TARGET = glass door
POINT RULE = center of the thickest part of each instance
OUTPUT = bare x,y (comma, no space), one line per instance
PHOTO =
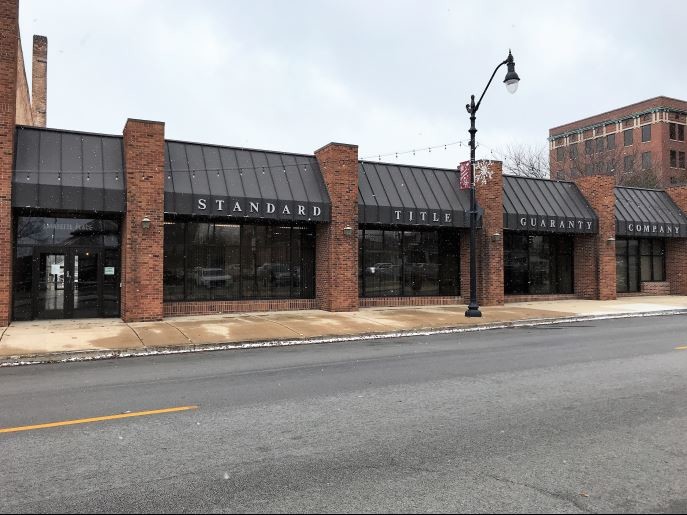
86,283
51,277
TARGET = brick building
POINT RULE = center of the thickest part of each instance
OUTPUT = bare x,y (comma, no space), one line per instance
137,226
642,145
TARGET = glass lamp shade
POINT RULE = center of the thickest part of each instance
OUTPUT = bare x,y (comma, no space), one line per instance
512,85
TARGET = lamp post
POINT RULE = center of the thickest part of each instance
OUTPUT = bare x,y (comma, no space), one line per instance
511,82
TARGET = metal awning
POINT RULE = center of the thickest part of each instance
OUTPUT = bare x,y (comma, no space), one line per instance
68,171
648,213
241,183
391,194
541,205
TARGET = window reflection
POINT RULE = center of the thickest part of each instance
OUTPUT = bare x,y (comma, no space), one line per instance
638,261
205,261
408,263
537,264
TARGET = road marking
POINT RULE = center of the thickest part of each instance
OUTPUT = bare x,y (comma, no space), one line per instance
96,419
681,348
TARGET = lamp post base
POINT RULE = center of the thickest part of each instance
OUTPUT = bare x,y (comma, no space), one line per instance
473,311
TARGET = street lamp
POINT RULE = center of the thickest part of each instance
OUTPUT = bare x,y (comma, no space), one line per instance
511,82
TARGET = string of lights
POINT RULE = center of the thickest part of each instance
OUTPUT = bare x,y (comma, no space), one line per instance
240,169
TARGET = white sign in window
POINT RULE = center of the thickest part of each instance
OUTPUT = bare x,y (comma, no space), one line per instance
109,270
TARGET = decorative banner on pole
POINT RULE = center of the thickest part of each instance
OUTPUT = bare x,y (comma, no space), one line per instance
465,182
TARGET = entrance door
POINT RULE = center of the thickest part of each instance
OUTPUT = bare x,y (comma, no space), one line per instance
50,277
69,284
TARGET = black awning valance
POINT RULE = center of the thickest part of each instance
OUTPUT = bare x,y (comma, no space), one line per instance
391,194
216,181
68,171
540,205
648,213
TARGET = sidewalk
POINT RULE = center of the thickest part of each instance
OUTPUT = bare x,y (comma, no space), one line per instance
50,340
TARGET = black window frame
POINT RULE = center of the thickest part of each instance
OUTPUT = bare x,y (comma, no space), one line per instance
628,137
646,133
610,141
633,274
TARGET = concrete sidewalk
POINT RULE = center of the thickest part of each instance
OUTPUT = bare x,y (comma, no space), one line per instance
41,339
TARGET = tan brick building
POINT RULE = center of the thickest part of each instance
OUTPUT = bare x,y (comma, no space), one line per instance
641,144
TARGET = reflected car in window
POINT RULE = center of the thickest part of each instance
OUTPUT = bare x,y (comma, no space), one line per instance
212,277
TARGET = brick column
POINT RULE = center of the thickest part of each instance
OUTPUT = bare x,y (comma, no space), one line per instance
9,37
676,249
142,249
490,239
594,255
337,254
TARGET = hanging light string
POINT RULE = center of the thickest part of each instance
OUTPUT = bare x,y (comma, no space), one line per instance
284,166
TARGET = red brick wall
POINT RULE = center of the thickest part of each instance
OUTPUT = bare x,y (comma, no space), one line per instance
236,306
142,249
380,302
9,34
490,246
337,254
594,255
39,80
676,249
656,288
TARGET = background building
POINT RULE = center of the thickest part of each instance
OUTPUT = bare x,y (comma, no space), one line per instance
641,145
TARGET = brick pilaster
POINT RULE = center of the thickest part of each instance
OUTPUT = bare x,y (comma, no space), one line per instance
9,37
594,255
337,254
676,249
490,239
142,249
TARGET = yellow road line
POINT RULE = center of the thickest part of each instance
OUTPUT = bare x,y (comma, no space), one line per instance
681,348
96,419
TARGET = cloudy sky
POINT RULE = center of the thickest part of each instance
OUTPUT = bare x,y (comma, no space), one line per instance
390,76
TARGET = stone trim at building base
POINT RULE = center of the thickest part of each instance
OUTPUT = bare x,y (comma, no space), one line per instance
539,298
387,302
175,309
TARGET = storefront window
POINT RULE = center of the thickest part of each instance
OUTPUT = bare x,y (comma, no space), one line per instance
408,263
537,264
214,261
638,261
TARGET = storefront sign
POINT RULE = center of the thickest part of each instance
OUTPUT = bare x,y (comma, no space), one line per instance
542,223
416,217
653,229
247,208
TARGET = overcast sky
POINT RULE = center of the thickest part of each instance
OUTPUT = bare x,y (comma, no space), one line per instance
386,75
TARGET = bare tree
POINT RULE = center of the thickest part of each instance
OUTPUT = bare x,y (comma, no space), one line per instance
524,160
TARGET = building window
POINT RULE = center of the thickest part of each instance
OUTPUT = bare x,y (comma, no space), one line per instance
588,147
646,133
537,264
637,261
627,137
560,153
629,163
677,159
610,141
677,132
646,160
599,144
573,151
394,263
218,261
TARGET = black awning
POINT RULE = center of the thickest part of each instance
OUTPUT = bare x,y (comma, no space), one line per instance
541,205
241,183
68,171
391,194
648,213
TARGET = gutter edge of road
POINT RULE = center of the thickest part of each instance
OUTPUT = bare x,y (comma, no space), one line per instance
98,355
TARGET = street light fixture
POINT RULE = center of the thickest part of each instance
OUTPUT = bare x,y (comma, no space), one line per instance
511,81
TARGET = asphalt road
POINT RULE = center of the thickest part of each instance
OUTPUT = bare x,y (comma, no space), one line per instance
585,417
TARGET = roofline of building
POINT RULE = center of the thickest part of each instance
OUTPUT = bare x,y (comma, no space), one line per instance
608,114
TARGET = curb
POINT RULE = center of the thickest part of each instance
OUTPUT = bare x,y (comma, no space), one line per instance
84,356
